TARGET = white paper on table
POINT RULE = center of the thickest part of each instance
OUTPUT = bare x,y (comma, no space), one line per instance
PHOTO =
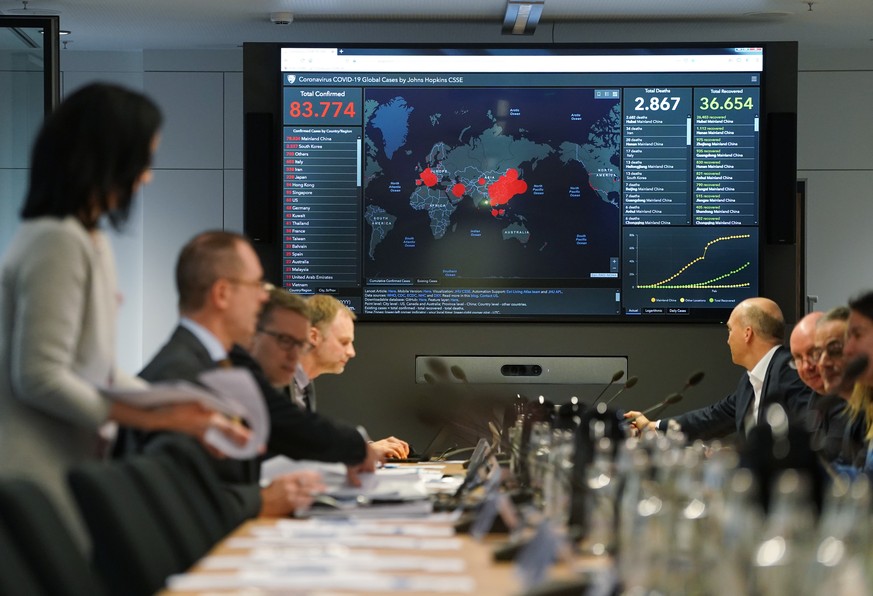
364,542
331,473
381,487
332,564
383,511
232,391
328,528
384,485
355,581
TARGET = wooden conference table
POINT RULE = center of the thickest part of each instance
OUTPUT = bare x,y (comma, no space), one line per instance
478,574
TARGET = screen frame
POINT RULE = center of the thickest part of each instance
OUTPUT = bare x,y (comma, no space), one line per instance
778,89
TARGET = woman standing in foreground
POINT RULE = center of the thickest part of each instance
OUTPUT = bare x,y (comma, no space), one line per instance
58,295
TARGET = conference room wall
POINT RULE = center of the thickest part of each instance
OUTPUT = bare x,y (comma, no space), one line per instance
197,186
835,157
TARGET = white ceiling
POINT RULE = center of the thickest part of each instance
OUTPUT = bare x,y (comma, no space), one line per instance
217,24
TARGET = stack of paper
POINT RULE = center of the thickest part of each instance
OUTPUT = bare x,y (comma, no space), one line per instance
331,555
231,391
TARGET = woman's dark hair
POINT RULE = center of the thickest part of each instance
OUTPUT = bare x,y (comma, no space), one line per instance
96,144
863,303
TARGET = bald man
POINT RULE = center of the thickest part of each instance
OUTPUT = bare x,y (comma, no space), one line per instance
803,353
756,329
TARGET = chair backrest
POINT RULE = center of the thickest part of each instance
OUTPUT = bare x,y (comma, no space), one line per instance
152,477
44,541
192,491
183,451
130,551
16,574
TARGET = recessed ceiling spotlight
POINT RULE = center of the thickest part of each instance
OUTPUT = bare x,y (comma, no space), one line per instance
281,18
31,12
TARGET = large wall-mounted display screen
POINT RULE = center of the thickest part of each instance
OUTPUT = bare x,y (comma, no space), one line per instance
530,183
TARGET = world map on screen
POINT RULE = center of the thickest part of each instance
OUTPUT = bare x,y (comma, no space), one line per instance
491,183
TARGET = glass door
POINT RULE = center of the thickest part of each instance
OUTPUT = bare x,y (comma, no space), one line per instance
29,89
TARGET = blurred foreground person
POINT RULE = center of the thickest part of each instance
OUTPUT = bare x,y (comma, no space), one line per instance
59,295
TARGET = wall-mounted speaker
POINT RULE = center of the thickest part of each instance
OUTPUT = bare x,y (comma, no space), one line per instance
259,196
780,183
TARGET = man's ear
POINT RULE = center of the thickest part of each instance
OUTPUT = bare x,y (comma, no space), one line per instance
219,294
747,334
314,335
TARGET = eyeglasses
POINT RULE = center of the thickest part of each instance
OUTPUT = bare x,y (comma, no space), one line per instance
288,342
254,283
833,349
809,359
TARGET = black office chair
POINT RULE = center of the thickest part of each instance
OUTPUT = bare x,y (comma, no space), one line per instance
44,541
130,551
153,478
16,575
204,512
217,510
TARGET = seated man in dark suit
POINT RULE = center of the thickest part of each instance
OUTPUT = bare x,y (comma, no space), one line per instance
756,329
830,339
330,336
221,292
281,338
817,347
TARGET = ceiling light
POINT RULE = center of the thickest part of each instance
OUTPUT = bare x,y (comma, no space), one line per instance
281,18
31,12
522,16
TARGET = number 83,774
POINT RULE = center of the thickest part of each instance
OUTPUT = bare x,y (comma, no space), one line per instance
321,109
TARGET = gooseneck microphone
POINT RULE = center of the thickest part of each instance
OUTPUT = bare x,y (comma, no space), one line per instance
615,377
658,407
458,373
671,399
692,381
627,385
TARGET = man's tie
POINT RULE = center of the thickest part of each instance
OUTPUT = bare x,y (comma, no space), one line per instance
309,396
295,395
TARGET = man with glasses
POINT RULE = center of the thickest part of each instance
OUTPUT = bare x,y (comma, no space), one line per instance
803,360
830,336
833,439
284,341
282,338
822,417
221,293
279,342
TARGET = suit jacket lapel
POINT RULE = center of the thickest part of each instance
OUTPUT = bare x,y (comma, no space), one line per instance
745,395
185,339
766,398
